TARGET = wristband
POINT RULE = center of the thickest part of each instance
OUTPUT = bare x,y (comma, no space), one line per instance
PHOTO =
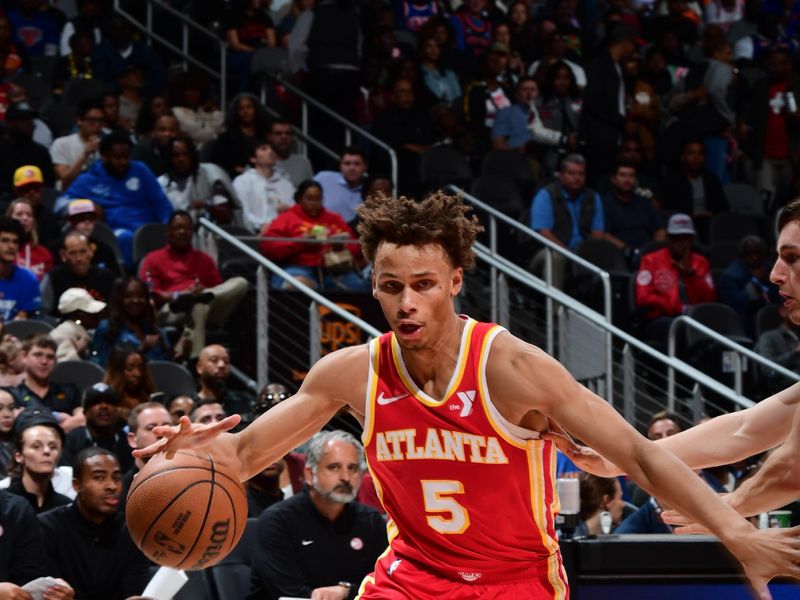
346,584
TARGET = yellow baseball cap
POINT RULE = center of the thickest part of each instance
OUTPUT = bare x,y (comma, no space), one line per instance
27,175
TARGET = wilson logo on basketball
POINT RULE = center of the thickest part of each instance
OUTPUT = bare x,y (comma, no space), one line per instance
219,533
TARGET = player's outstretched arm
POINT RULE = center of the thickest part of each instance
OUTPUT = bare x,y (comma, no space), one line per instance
335,381
523,378
723,440
735,436
775,484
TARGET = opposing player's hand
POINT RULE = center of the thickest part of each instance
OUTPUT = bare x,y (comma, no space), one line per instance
186,435
584,457
769,553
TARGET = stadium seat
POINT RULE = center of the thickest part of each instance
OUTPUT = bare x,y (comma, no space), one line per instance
499,192
719,317
722,253
731,226
231,576
511,164
147,238
440,165
80,373
38,90
171,378
78,90
768,317
270,61
26,327
59,117
743,198
105,234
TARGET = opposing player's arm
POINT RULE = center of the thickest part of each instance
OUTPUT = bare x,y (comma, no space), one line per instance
776,483
732,437
337,380
523,378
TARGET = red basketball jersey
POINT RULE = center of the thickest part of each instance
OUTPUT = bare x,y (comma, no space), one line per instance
470,496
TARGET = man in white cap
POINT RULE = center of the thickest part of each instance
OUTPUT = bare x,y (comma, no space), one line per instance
672,279
81,313
77,271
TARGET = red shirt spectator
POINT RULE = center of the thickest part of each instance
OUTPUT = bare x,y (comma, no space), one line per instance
671,279
166,270
298,223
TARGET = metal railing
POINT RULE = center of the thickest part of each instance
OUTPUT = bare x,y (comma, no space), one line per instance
628,342
739,351
188,25
262,304
350,128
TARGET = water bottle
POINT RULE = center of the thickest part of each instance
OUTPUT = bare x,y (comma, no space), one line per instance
791,102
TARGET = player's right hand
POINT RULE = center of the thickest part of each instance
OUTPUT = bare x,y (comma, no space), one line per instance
769,553
584,457
186,435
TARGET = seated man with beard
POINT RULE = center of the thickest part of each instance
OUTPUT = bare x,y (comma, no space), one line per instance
320,542
213,372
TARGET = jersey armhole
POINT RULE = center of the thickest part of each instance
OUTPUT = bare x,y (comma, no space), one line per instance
513,434
372,385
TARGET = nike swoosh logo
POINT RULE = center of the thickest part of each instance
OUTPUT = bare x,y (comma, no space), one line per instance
384,401
306,542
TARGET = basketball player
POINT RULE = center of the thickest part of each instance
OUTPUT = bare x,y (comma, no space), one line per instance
730,438
453,412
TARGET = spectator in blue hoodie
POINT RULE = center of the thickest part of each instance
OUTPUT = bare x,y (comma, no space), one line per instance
126,189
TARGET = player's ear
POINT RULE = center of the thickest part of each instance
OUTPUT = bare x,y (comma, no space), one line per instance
456,281
373,284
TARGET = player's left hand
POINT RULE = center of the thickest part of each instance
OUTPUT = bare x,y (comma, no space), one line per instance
186,435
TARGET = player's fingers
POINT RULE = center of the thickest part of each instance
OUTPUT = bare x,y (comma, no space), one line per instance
673,517
150,450
692,529
225,424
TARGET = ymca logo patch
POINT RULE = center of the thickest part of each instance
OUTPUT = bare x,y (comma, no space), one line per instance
467,398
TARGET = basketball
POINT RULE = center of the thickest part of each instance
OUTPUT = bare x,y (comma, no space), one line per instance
186,512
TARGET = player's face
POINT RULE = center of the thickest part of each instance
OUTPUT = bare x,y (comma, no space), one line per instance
786,272
146,421
99,487
41,449
416,286
338,474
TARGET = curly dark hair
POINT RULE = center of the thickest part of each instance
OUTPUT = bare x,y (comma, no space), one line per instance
438,219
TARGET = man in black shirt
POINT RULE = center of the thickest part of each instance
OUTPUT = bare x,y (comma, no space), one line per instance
87,542
213,371
103,427
21,550
36,391
319,543
78,271
17,147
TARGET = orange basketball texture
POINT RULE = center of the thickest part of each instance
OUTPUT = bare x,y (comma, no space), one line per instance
186,512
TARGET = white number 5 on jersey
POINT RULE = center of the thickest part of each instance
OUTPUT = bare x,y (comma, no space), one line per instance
436,495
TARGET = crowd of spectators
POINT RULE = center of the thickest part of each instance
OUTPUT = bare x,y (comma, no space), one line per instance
632,118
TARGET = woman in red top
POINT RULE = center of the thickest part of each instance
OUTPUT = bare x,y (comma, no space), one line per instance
32,255
308,220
